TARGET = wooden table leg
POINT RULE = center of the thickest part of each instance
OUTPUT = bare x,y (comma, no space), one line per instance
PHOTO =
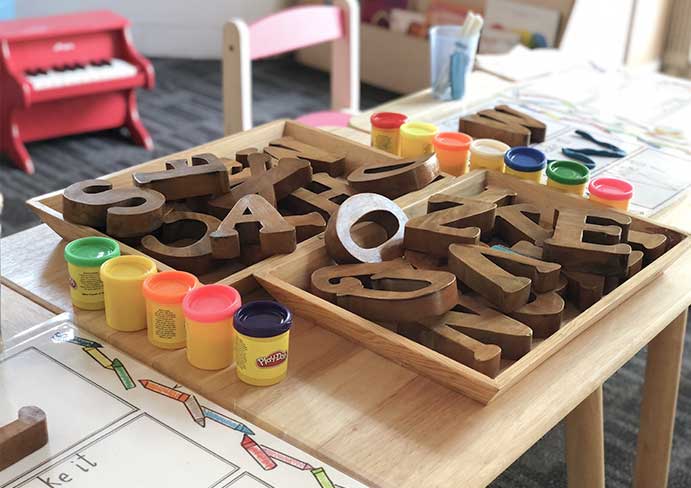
659,405
585,448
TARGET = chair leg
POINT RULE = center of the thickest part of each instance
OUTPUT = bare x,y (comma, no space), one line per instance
585,450
134,124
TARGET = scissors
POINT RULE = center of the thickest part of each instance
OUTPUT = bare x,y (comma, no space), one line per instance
581,154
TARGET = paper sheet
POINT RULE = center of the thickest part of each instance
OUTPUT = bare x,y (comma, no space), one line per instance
114,423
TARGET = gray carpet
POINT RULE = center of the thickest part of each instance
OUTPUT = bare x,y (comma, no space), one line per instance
185,110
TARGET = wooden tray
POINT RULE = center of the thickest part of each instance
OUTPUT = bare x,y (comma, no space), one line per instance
289,280
48,207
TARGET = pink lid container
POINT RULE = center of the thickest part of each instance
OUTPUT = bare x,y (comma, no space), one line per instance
611,189
211,303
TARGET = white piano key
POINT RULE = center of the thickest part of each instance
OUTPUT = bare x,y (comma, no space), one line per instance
117,69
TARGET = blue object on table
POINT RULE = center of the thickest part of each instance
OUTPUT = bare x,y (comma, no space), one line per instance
451,60
6,9
581,154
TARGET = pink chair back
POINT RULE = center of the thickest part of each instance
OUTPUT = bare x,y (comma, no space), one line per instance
295,28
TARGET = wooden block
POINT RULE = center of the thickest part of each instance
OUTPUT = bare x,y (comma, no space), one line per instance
473,318
528,249
22,437
438,336
288,176
461,223
589,241
396,178
480,127
183,242
421,260
479,212
520,222
390,291
652,245
504,113
340,242
584,289
253,221
498,196
504,279
324,195
207,175
242,156
543,313
321,161
307,225
122,212
635,264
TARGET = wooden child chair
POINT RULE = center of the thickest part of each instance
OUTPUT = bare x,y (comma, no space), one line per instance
286,31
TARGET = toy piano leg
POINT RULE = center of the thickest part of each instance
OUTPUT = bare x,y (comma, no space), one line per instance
17,151
134,124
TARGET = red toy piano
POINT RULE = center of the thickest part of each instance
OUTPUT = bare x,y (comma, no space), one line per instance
65,75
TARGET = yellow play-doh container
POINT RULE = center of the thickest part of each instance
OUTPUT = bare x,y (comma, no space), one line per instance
416,139
262,336
568,176
84,259
209,313
165,319
611,192
122,287
487,154
386,129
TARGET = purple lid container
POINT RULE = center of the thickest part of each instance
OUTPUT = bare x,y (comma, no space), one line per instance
262,318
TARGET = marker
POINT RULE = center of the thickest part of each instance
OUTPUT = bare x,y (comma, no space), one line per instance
195,410
123,375
322,478
80,341
227,421
284,458
164,390
257,453
99,357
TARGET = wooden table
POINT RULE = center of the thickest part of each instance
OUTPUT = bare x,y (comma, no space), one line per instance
389,427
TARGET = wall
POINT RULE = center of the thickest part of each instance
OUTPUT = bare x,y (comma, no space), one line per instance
167,28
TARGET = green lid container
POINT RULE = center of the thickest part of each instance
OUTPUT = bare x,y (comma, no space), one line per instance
91,252
568,172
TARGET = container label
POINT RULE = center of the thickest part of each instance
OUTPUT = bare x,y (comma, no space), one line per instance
273,359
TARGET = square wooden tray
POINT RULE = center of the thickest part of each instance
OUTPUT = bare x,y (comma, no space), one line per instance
48,207
289,281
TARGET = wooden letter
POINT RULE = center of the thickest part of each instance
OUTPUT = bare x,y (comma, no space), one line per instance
492,274
481,213
496,195
242,156
321,161
288,176
652,245
324,194
22,437
206,176
584,289
589,241
504,124
390,291
307,225
525,248
123,212
542,313
184,241
521,222
339,239
394,179
252,221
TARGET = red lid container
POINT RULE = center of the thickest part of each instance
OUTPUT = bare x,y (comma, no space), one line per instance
387,120
611,189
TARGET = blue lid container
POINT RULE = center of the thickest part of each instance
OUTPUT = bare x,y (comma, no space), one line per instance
525,159
262,318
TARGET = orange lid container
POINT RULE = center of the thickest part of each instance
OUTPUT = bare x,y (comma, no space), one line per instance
169,286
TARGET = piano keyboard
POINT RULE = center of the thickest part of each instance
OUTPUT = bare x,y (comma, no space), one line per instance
79,74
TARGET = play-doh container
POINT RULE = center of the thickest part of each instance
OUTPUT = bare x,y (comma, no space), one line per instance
122,288
611,192
386,128
416,139
165,319
488,154
452,149
209,313
568,176
262,330
84,259
526,163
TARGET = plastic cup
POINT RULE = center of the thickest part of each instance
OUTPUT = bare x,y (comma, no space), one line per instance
386,128
84,259
526,163
452,152
416,139
568,176
122,286
209,313
262,330
165,319
611,192
488,154
451,60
